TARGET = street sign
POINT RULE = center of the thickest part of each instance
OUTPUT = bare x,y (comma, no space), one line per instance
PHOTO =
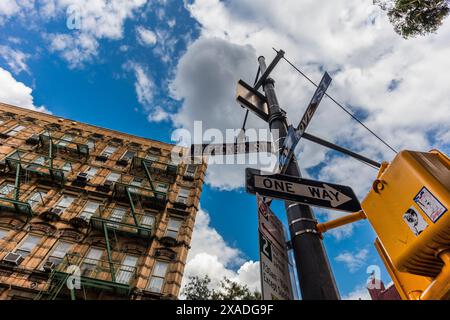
287,150
293,136
274,261
308,192
218,149
252,99
312,107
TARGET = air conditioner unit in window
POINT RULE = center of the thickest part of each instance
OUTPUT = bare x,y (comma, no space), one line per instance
101,157
56,211
33,140
122,162
106,186
189,175
53,214
49,266
13,258
82,177
182,200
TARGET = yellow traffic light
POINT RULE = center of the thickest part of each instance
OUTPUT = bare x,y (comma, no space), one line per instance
408,206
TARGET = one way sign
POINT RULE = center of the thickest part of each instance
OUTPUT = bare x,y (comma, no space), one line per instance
309,192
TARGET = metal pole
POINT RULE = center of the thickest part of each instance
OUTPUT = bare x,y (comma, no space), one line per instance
313,269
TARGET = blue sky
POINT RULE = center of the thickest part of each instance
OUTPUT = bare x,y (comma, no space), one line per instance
147,68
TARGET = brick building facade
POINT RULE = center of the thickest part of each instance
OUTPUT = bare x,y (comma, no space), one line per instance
106,212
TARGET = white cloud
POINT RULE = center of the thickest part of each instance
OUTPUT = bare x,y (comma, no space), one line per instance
75,49
145,36
351,39
158,115
16,93
92,20
15,59
166,45
211,255
144,85
353,260
358,293
9,8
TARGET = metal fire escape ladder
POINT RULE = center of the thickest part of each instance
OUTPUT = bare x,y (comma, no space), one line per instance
108,250
147,173
133,208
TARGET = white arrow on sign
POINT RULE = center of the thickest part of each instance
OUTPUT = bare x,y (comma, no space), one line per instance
326,193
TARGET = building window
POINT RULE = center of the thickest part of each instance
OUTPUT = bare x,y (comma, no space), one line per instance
6,189
91,261
156,282
36,198
65,140
117,216
148,220
173,227
108,151
127,269
37,163
3,233
113,176
89,209
190,170
161,187
59,252
151,157
16,155
91,144
183,195
27,245
91,171
67,167
128,155
64,202
137,181
14,131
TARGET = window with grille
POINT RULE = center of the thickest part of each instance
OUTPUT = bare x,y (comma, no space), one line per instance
156,282
127,269
117,215
148,220
27,245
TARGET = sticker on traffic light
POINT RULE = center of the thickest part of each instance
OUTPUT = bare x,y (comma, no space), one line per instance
415,221
265,246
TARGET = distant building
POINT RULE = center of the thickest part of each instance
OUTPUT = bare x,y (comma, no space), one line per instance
382,293
90,213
